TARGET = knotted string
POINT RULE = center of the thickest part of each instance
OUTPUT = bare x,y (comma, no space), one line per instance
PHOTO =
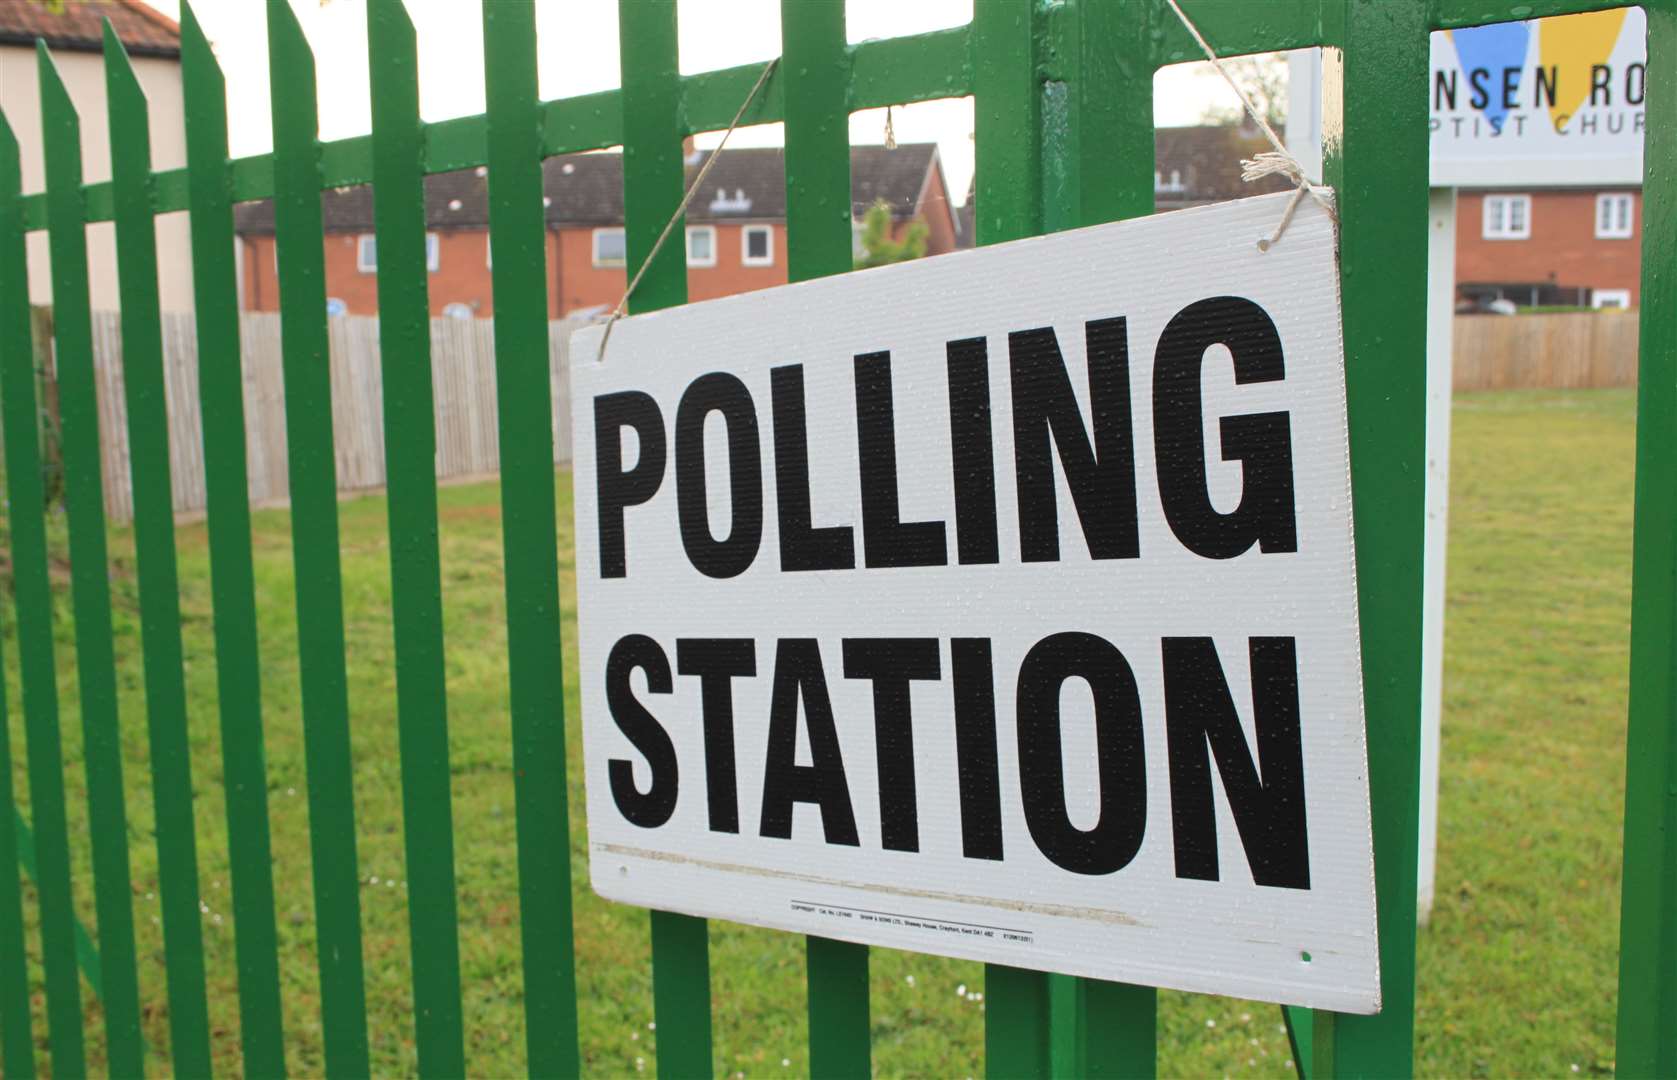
1277,162
692,189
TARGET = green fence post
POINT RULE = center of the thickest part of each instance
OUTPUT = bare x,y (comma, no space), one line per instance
1647,1027
1007,121
33,593
90,583
1377,163
523,391
1008,202
818,239
299,234
1098,167
1018,1016
17,1049
652,189
232,575
154,542
1057,154
87,957
410,448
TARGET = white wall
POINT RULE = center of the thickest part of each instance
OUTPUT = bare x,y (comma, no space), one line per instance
84,77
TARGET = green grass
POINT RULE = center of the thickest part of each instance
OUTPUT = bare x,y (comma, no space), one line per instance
1517,969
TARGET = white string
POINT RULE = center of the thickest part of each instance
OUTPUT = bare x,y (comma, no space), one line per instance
1277,162
693,189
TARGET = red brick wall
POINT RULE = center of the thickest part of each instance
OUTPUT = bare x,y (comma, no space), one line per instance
582,284
257,287
936,212
730,275
1562,249
462,274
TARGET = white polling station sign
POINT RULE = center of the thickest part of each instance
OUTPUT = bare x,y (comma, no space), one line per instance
1000,605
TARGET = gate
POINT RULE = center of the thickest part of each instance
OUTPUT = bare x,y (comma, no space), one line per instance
1063,103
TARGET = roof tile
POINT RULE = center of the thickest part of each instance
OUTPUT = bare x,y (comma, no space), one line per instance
77,26
1205,163
747,184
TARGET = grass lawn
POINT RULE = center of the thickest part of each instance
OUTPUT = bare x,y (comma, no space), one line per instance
1517,969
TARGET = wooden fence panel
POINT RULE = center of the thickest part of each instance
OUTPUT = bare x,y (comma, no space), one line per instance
463,375
113,415
1563,350
1572,350
265,442
186,434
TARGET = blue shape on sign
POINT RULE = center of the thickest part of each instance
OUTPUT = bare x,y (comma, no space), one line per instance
1486,52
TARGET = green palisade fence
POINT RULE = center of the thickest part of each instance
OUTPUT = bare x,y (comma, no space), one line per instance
1063,106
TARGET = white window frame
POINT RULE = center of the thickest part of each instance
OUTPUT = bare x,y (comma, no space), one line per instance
1496,218
746,258
488,250
366,241
701,230
609,264
1612,230
1599,299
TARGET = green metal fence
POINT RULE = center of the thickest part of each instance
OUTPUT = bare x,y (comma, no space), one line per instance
1063,104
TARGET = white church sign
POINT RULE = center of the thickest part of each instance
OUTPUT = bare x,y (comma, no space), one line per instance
1542,102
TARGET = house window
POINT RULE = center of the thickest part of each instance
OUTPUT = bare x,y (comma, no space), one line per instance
757,245
1616,299
488,251
1507,217
366,253
458,310
701,245
1614,213
609,249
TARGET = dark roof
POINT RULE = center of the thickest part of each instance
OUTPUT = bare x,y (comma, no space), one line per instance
1194,165
587,189
77,25
1202,164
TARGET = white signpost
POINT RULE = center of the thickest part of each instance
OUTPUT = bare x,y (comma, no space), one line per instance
1553,102
1000,605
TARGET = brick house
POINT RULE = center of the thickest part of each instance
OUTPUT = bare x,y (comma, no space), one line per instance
736,229
1201,164
1573,246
